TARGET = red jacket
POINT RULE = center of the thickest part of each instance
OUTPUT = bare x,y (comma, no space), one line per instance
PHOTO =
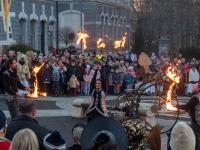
4,144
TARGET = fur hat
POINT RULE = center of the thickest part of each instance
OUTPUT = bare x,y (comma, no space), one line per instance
54,141
182,137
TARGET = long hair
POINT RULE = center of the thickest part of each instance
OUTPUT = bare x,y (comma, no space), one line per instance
25,140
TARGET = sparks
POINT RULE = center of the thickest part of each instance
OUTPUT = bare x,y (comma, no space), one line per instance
100,43
81,37
36,92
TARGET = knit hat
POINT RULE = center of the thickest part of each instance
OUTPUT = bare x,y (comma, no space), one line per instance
2,120
182,137
54,141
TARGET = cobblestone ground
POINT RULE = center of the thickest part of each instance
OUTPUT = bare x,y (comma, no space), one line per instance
55,114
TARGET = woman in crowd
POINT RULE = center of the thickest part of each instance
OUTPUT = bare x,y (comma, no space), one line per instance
25,140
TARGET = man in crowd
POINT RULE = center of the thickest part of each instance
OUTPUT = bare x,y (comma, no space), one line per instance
26,119
11,84
193,108
4,143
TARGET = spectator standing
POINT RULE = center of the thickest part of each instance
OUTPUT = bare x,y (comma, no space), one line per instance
26,119
128,80
193,77
80,73
47,78
4,143
73,84
56,80
25,140
87,80
116,77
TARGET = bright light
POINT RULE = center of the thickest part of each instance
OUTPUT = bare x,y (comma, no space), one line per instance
82,37
120,43
36,89
100,43
174,76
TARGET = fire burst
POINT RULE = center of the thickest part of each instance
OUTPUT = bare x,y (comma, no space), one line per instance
81,37
171,74
120,43
36,90
100,43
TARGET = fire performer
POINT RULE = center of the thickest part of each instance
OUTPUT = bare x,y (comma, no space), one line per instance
193,108
11,84
98,107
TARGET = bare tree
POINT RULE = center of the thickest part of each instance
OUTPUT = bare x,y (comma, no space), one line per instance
67,35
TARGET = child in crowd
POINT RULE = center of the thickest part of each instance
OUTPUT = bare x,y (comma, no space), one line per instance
116,77
87,80
128,80
73,84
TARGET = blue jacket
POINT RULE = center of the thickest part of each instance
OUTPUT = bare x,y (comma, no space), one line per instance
116,78
128,78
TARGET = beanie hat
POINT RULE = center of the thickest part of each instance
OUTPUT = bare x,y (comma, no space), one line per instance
54,141
2,120
182,137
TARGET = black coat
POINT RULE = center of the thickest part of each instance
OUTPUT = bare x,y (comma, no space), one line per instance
22,122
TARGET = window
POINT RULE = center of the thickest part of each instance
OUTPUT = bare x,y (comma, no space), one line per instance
33,34
22,27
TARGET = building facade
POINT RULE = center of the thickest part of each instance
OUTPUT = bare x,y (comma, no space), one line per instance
38,23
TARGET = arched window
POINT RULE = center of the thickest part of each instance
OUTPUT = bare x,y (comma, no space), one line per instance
106,24
43,33
113,27
102,24
116,28
51,34
33,33
22,27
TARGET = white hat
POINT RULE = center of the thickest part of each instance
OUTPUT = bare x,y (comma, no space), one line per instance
182,137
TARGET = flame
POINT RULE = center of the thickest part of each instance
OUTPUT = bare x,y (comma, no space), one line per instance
36,90
100,43
120,43
82,38
173,75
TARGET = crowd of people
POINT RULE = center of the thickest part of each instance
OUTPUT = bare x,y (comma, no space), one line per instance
99,75
73,75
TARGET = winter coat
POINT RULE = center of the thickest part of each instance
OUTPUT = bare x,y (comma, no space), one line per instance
47,75
193,75
73,82
128,78
88,77
116,78
22,122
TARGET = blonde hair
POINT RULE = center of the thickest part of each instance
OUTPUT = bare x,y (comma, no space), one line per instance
25,140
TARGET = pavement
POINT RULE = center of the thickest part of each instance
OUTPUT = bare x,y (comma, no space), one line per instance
55,114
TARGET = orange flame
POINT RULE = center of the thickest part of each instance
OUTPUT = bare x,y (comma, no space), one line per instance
171,74
100,43
120,43
81,37
36,90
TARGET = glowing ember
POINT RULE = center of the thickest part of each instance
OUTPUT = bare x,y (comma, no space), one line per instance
81,37
36,90
120,43
100,43
173,75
